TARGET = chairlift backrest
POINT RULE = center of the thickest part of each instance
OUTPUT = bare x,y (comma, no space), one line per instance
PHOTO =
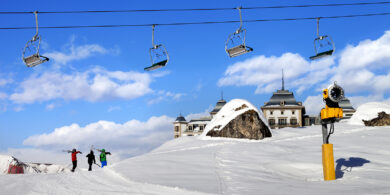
158,56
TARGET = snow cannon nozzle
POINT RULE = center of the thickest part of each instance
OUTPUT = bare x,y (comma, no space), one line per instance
332,96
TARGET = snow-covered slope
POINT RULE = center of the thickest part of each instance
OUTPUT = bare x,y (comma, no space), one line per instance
287,163
29,168
230,111
6,161
368,111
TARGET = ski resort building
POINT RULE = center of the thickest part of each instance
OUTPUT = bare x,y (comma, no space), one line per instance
347,107
282,110
195,126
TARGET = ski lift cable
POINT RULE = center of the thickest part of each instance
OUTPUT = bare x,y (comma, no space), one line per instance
197,23
199,9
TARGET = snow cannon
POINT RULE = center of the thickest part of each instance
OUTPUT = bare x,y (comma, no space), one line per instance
332,111
329,115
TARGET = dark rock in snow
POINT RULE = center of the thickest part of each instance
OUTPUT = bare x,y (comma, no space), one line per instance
383,119
247,125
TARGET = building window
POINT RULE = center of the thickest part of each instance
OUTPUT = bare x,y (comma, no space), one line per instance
271,112
177,128
190,128
282,112
293,121
293,112
282,121
282,103
271,121
201,127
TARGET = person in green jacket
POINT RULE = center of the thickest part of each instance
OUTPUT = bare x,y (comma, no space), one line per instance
103,159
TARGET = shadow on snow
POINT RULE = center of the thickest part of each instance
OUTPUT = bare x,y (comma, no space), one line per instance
348,165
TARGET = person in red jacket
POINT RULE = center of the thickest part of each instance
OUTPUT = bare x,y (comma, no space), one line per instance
74,158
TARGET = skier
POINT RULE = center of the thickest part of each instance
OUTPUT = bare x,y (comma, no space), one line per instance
91,159
74,158
103,159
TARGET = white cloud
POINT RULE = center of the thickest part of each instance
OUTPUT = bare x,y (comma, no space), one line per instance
113,108
373,53
356,101
313,105
93,85
38,155
164,95
364,68
130,138
18,108
51,106
4,82
266,72
205,113
3,95
73,52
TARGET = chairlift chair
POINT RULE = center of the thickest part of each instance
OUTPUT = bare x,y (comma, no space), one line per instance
235,44
323,45
158,55
30,55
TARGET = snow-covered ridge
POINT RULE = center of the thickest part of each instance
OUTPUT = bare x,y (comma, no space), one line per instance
29,168
368,111
230,111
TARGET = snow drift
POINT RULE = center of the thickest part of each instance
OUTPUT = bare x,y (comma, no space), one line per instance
368,111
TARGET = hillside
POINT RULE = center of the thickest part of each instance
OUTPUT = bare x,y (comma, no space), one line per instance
289,162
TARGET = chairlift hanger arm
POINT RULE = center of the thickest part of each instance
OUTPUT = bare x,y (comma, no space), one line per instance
153,46
239,29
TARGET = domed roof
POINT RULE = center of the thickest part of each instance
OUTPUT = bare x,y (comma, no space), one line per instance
180,118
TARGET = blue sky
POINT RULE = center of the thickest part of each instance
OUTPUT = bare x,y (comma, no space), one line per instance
94,89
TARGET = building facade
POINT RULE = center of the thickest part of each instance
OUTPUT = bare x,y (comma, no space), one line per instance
282,110
195,126
179,126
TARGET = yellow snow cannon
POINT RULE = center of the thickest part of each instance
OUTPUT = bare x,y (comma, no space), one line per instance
329,115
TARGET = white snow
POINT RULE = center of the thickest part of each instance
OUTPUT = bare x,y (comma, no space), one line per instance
368,111
230,111
290,162
29,168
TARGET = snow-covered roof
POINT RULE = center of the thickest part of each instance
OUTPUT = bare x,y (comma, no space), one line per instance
230,111
368,111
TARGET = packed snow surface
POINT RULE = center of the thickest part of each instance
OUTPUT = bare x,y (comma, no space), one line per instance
369,111
287,163
230,111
